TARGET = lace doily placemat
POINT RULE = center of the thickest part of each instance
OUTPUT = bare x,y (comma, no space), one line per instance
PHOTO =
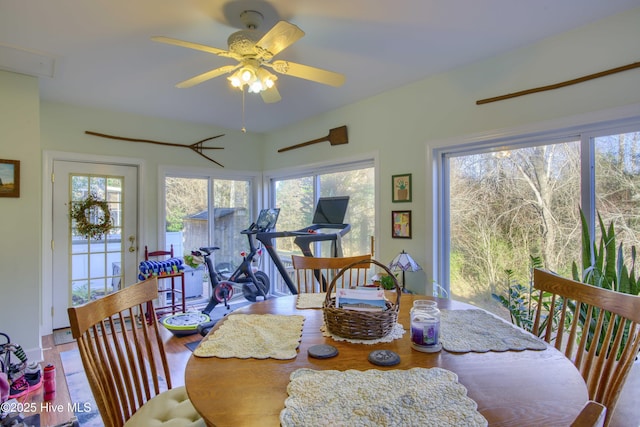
396,333
413,397
463,331
260,336
310,300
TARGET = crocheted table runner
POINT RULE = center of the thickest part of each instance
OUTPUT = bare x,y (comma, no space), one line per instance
310,300
476,330
260,336
413,397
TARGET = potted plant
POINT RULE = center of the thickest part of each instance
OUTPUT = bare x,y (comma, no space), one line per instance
402,189
387,282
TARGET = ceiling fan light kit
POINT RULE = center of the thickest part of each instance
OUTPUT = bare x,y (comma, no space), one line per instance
256,79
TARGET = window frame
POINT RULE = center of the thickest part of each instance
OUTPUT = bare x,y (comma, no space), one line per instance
582,128
367,160
347,164
209,174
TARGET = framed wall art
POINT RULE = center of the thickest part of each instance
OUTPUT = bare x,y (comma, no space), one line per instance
9,178
401,187
401,224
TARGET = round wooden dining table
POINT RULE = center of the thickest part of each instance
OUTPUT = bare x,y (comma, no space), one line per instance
511,388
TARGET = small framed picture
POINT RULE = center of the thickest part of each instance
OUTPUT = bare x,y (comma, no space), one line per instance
401,187
9,178
401,224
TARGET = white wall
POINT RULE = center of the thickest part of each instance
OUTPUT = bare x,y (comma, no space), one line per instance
63,129
20,218
404,124
401,126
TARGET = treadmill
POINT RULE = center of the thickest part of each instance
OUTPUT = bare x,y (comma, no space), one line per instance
328,225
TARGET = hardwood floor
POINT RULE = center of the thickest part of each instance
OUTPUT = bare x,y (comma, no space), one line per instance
627,414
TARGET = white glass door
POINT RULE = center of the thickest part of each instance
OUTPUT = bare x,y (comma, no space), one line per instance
86,268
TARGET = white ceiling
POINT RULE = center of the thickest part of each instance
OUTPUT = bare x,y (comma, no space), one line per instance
101,53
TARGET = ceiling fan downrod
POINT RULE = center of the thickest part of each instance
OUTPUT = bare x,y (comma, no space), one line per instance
251,19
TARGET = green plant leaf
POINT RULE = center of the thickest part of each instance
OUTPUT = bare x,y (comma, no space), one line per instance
588,257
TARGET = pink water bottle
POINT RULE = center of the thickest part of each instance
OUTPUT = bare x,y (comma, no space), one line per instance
49,379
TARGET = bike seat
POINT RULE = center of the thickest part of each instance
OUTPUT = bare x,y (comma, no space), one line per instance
209,249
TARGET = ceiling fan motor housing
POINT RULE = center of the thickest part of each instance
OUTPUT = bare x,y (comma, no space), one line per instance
243,42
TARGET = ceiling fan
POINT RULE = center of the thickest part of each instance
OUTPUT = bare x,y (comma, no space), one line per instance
254,55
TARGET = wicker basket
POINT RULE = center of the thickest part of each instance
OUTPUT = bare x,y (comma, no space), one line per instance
362,325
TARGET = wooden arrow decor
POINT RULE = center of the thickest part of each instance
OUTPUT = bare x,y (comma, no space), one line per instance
198,147
337,136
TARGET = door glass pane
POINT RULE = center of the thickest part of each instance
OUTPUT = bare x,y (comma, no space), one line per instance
80,267
231,216
506,207
81,247
617,171
296,199
358,185
186,215
95,262
79,292
189,225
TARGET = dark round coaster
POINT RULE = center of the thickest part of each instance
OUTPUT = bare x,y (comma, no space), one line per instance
322,351
384,358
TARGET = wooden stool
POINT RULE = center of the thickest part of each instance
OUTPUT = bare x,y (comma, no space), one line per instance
162,290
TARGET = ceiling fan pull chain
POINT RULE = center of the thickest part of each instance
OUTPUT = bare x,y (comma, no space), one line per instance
244,129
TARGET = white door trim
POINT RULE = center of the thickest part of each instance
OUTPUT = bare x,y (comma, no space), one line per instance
48,158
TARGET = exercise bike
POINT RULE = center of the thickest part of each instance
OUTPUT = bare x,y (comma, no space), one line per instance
254,283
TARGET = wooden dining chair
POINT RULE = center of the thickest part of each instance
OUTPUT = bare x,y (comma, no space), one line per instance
603,352
125,361
592,415
313,275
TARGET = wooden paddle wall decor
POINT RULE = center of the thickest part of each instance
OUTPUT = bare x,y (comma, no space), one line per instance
198,147
337,136
561,84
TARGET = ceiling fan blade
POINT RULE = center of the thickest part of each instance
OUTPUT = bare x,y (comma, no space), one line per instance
271,95
308,73
207,76
277,39
196,46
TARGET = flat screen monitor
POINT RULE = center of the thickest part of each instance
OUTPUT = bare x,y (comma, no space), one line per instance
267,219
331,210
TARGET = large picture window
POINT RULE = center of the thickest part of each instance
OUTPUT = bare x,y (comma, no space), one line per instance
506,205
296,194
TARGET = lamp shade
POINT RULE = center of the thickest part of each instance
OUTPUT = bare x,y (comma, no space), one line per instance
404,262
